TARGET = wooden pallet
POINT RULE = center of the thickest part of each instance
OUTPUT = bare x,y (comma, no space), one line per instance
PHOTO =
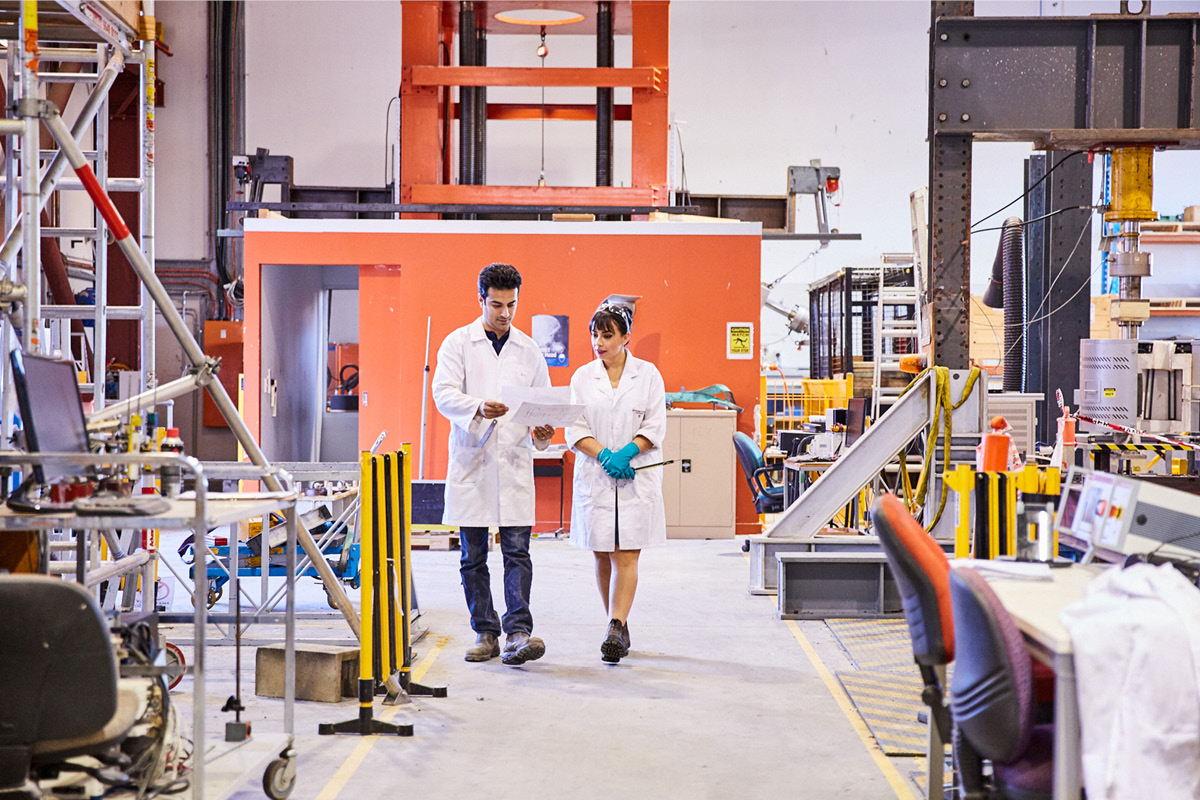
1170,227
434,540
440,540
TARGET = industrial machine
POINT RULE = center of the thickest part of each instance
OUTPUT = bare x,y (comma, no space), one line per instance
1147,385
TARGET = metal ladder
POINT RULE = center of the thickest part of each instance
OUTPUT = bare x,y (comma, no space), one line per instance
118,48
886,332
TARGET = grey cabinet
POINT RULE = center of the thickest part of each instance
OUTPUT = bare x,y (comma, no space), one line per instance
699,489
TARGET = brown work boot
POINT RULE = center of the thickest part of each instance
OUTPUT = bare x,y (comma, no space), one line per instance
487,646
614,646
520,647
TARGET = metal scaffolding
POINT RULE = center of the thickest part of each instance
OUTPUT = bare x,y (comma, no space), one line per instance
112,43
103,44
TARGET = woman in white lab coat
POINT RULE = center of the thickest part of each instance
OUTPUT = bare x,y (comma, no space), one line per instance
617,508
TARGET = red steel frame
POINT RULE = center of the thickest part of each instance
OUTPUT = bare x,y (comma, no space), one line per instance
426,110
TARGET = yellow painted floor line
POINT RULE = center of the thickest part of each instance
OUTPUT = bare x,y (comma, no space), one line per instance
895,780
351,764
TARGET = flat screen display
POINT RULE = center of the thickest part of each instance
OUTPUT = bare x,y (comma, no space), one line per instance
51,411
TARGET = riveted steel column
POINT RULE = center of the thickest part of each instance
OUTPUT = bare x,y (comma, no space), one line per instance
949,268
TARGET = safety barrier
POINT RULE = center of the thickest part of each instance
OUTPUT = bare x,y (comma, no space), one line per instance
385,654
995,504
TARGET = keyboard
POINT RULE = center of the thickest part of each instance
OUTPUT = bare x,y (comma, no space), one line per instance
116,505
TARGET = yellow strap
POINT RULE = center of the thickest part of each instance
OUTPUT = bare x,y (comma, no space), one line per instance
943,413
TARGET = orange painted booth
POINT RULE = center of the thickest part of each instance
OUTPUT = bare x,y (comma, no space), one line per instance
694,279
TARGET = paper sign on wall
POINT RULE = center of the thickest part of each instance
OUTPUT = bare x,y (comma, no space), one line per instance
739,340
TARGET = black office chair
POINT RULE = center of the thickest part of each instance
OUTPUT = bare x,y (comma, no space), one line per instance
768,496
992,699
58,681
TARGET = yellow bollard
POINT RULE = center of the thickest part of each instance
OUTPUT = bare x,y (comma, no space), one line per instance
962,480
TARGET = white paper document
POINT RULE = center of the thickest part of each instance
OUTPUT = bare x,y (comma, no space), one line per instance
540,406
513,396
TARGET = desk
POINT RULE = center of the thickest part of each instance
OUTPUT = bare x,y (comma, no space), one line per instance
1036,606
793,471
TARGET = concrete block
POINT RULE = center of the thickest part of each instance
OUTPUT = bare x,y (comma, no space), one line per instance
325,673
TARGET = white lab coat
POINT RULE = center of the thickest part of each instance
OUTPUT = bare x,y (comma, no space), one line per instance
1136,638
613,417
490,485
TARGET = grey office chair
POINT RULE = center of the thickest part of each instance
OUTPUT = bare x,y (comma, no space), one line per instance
58,690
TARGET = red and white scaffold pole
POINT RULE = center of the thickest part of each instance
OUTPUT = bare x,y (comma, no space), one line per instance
206,365
1120,428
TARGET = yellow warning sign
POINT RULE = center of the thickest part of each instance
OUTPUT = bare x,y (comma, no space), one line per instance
1110,392
739,340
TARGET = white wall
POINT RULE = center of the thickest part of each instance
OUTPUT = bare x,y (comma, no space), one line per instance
755,87
181,134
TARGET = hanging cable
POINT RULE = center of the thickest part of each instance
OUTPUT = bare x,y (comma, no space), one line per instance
794,267
542,52
944,408
1025,194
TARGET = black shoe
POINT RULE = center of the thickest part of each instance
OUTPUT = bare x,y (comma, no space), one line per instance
520,647
613,648
625,638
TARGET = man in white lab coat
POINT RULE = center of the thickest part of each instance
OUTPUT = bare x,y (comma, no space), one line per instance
489,479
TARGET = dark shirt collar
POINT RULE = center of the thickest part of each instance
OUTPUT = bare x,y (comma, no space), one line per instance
497,341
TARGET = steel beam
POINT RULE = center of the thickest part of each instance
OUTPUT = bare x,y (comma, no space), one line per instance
1072,82
948,273
949,276
1058,277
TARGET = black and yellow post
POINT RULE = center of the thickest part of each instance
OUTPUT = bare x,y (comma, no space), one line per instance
400,575
995,515
372,651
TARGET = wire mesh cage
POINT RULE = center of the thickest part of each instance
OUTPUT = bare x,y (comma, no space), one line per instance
842,316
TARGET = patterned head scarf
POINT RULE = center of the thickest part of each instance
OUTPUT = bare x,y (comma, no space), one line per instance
624,313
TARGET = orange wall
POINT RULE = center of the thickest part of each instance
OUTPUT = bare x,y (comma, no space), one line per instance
693,280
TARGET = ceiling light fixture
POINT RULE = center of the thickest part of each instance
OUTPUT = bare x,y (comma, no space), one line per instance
539,17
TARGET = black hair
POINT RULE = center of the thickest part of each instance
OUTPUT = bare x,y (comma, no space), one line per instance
610,318
498,276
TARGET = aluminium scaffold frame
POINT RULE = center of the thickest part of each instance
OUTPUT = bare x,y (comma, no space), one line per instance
23,233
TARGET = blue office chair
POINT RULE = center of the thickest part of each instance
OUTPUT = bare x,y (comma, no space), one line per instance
992,699
59,695
768,495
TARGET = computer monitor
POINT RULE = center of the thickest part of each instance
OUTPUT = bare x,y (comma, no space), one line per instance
1122,514
51,411
856,419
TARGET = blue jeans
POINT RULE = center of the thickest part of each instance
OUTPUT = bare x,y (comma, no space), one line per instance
518,579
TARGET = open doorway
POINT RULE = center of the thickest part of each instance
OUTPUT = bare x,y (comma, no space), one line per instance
309,362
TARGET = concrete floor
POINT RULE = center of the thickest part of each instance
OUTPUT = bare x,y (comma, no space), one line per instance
719,699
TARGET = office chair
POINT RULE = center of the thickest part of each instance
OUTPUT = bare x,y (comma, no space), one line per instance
59,694
992,699
922,575
768,496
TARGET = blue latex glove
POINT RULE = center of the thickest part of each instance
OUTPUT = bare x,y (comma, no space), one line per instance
603,457
622,457
612,470
626,474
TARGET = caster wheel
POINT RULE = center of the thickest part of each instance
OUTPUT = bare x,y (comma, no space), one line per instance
279,779
214,597
355,583
329,600
175,664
